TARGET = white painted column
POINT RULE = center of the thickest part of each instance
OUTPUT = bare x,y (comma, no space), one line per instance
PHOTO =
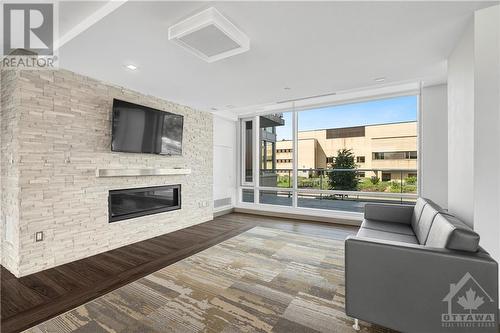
256,157
487,128
461,128
433,148
295,161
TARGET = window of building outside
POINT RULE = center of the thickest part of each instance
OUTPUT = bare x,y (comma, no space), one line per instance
395,155
386,176
412,155
332,142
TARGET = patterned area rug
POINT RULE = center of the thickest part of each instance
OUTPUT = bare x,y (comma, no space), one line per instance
264,280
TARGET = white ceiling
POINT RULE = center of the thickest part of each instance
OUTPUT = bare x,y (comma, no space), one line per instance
74,12
312,47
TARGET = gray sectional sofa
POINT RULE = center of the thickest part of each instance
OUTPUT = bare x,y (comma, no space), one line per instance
420,269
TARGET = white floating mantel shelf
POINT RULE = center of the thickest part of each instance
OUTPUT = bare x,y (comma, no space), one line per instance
141,172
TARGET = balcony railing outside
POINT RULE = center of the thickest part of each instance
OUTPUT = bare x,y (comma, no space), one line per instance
314,190
368,180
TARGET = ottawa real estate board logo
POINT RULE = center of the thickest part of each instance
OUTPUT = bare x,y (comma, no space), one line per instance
469,305
28,35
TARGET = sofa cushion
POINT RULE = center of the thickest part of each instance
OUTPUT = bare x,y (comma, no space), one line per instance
417,212
425,222
398,228
449,232
387,236
389,212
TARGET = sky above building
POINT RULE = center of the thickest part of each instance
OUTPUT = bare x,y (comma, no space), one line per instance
381,111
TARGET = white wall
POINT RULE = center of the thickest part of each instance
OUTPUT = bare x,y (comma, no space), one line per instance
487,128
224,162
461,128
474,118
434,144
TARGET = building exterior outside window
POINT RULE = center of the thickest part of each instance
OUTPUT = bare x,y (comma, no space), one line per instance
385,146
268,150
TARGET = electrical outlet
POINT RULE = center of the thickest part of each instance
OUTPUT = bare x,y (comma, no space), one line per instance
202,204
39,236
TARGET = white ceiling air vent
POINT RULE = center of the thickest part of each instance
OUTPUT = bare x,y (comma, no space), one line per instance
209,35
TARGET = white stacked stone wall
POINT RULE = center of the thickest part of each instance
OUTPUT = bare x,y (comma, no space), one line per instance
64,135
9,173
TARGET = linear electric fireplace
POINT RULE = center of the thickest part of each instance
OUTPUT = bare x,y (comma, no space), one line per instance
135,202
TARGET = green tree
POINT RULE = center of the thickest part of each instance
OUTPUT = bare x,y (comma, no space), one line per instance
343,180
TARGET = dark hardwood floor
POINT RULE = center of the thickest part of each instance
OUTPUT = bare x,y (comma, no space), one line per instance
32,299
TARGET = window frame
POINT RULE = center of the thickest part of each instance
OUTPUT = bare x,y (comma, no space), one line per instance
295,190
243,150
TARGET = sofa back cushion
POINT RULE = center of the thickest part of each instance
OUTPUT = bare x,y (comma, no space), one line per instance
423,226
449,232
400,214
417,212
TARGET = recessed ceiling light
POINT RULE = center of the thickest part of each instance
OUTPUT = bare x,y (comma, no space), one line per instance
131,67
214,109
287,88
379,79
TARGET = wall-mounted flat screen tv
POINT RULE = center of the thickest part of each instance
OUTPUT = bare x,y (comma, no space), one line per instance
140,129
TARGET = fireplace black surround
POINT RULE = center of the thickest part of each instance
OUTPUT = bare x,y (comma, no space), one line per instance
129,203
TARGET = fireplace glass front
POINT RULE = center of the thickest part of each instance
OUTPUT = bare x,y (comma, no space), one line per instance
129,203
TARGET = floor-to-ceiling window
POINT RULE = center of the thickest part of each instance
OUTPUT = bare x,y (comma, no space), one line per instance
346,155
247,160
276,164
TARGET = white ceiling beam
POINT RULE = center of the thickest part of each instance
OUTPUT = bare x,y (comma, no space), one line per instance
95,17
343,97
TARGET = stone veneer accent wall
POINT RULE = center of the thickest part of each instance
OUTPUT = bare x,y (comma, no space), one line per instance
56,125
9,203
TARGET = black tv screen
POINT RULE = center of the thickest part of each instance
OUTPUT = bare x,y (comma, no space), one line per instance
140,129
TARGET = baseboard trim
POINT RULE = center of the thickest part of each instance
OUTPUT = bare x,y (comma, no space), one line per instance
302,217
223,212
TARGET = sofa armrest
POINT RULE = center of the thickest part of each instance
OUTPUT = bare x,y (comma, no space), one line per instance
404,286
389,213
